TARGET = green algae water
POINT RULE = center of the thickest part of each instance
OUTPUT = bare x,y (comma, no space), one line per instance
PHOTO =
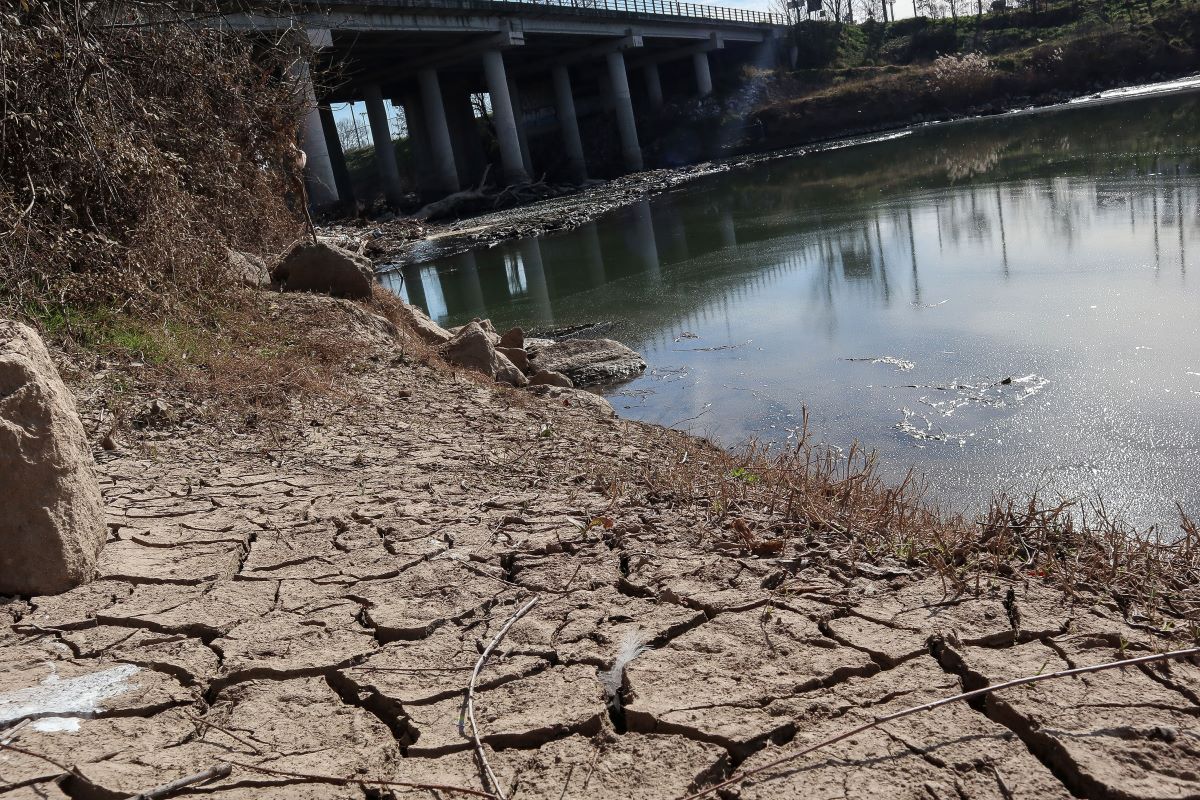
1010,303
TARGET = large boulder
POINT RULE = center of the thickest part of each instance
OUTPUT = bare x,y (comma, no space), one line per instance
587,362
52,515
516,355
472,348
321,267
548,378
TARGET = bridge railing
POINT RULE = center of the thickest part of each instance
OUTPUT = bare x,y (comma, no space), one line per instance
628,8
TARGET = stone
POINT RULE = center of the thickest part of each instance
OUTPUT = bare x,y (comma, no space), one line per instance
247,269
423,326
472,348
587,362
508,372
324,268
516,355
547,377
514,337
52,529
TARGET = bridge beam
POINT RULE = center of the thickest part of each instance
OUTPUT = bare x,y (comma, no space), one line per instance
631,150
385,151
445,172
568,122
512,165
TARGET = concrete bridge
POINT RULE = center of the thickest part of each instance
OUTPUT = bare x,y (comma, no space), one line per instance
545,66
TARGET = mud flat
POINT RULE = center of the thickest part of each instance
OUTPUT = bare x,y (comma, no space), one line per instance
308,603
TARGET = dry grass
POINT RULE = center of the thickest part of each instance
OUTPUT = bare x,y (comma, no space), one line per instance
766,500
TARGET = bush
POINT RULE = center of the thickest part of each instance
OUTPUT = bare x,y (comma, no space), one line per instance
132,151
959,79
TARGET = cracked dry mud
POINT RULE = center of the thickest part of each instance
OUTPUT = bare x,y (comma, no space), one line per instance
315,603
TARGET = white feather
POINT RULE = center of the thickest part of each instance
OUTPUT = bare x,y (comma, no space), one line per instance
633,644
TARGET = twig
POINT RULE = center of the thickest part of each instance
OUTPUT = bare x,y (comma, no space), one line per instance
226,731
1066,673
168,789
340,781
487,768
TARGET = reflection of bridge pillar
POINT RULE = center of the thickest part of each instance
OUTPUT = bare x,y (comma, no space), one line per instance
535,278
504,118
703,74
337,159
653,85
414,288
593,255
726,227
318,170
568,122
519,116
385,151
644,241
418,143
468,272
631,151
445,172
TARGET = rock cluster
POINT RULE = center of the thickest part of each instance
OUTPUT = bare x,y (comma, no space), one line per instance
51,514
511,358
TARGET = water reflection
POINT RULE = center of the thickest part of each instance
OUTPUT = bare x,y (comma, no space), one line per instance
1051,250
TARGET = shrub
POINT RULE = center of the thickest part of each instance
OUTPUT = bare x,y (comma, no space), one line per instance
957,79
132,151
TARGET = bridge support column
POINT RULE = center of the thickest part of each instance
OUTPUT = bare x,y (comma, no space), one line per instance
703,75
418,143
519,118
445,172
511,163
653,85
319,180
337,159
631,151
385,151
568,122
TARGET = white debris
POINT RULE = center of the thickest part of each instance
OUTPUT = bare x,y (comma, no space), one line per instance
57,704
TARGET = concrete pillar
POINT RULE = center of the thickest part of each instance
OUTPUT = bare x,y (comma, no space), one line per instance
418,143
385,151
337,158
728,230
444,171
512,166
519,118
464,135
568,122
319,181
703,74
631,151
653,85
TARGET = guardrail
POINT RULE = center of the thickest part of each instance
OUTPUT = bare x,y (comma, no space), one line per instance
624,8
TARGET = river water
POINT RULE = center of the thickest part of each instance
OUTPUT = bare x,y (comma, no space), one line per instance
1008,303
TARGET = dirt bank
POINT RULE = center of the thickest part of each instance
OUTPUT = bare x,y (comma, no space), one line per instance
312,599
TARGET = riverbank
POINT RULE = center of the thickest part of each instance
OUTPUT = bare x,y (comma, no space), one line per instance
310,599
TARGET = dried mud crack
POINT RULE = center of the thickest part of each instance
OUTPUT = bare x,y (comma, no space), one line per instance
313,600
